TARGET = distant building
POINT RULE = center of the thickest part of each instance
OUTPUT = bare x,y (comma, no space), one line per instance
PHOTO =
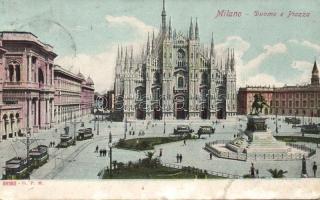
71,95
28,100
288,100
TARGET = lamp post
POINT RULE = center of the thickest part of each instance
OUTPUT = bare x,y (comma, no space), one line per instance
98,126
164,122
125,128
276,121
110,149
28,145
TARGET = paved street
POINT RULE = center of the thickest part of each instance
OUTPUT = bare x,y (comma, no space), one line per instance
81,162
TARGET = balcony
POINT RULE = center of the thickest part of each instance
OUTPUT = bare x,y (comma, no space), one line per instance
180,90
27,86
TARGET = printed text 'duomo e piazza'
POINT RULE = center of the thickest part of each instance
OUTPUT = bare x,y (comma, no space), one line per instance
258,13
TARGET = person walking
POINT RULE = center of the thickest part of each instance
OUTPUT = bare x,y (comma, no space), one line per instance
252,171
160,154
184,142
180,158
177,158
100,151
210,156
314,168
97,149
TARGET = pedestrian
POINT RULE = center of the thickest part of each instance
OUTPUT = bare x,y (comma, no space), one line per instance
100,151
104,152
257,173
97,148
314,168
222,126
252,171
54,143
184,141
178,158
210,156
160,154
133,133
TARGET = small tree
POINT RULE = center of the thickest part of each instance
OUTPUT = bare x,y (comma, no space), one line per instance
275,173
149,155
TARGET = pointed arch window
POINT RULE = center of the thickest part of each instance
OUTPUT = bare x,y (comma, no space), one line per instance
180,82
181,58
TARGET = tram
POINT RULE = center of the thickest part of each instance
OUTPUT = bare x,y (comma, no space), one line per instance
310,128
65,141
39,156
84,134
17,168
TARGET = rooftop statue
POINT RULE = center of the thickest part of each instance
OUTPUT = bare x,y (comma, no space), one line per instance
258,104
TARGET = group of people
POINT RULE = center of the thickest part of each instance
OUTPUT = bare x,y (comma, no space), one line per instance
102,152
179,158
52,144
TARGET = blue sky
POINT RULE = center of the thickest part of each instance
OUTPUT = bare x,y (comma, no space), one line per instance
85,34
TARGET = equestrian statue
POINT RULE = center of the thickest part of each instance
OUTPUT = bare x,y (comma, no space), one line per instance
258,104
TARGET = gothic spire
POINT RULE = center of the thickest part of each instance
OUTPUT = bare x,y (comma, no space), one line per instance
118,55
232,60
131,58
197,30
152,42
212,46
163,15
142,52
227,63
191,30
121,54
126,59
148,45
170,30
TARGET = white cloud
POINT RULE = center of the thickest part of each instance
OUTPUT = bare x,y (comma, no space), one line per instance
268,51
101,66
306,43
262,79
136,24
248,72
305,68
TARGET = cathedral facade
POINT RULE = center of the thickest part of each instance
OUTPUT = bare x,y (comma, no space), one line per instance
175,77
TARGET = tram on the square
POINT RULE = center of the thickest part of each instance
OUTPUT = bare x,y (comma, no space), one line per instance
310,128
39,156
17,168
84,134
65,141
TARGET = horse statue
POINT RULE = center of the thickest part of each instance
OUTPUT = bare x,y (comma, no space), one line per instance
258,104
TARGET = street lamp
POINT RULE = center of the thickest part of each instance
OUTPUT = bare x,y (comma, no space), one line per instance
125,127
110,149
164,122
276,121
28,145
